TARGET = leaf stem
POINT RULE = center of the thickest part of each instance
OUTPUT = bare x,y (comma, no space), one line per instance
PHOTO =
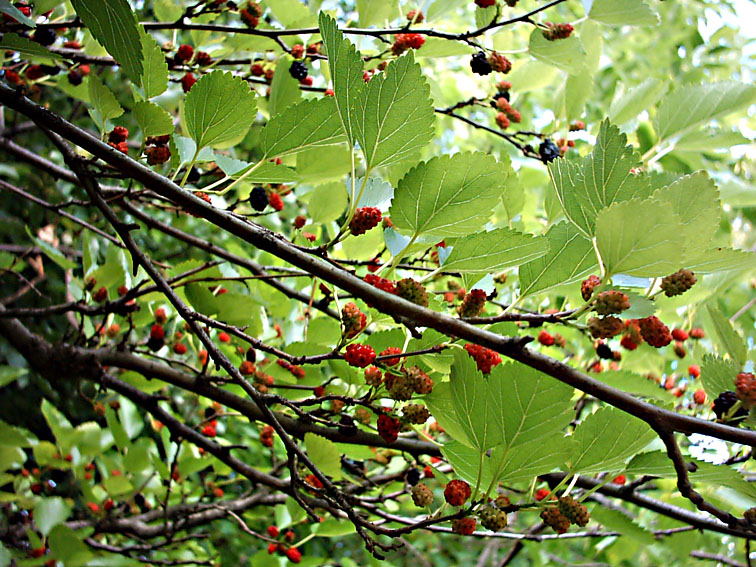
189,168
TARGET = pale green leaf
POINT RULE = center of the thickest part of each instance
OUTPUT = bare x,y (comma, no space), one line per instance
692,105
345,64
606,439
218,108
621,13
569,259
266,172
394,115
28,48
448,195
153,120
312,123
284,89
441,406
377,13
532,75
710,140
291,13
718,375
155,74
466,462
470,395
640,238
634,384
720,260
377,193
324,454
104,102
114,26
566,54
630,104
9,374
730,340
49,512
619,522
66,546
494,251
167,10
327,202
521,463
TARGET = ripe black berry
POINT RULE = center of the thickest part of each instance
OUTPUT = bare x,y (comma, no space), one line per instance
497,96
258,199
414,476
724,403
480,65
45,36
604,351
548,151
298,70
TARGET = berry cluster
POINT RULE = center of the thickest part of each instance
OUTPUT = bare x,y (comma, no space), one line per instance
381,283
484,357
654,332
117,139
588,285
457,492
678,283
391,361
415,413
251,14
364,219
157,150
548,151
575,512
266,436
405,41
605,327
464,526
484,3
184,53
557,31
359,355
415,16
508,113
473,304
187,82
553,518
353,320
722,406
373,376
411,381
388,428
297,371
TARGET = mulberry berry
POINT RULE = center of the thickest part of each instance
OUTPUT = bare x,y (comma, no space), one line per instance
381,283
464,526
588,285
457,492
493,519
353,320
203,59
611,302
404,41
499,63
298,70
678,283
575,512
118,134
745,389
373,376
484,3
45,36
297,51
187,82
484,358
422,496
415,413
654,332
604,351
694,370
553,518
359,355
545,338
413,291
548,151
415,16
400,387
157,155
605,328
185,53
557,31
391,361
258,199
722,406
421,382
388,428
473,304
502,120
699,396
275,201
479,64
696,333
364,219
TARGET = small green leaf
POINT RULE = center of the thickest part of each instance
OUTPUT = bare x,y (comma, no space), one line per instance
692,105
24,46
566,54
640,238
605,440
49,512
153,120
493,251
624,13
219,108
67,547
569,259
114,26
167,10
324,455
9,374
104,102
155,74
394,115
345,64
115,427
730,340
312,123
284,89
448,195
630,104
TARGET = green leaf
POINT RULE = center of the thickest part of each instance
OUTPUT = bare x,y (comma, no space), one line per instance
49,512
376,13
312,123
692,105
566,54
629,105
722,259
448,195
153,120
633,384
324,455
640,238
291,13
718,375
345,64
219,108
7,8
569,259
167,10
488,252
729,339
470,395
155,74
466,463
201,298
327,202
605,440
9,374
265,172
695,199
710,140
114,26
394,115
24,46
619,522
115,427
604,178
624,13
284,89
104,102
528,406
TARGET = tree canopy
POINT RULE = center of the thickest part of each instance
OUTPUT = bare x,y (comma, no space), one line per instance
337,282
